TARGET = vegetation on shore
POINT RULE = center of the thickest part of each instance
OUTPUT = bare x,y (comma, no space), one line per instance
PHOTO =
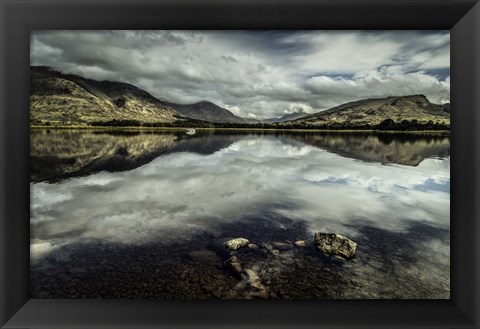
386,125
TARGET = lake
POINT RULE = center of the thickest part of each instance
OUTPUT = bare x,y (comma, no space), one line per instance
145,214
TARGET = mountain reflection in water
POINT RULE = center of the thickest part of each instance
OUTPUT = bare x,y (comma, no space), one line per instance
118,214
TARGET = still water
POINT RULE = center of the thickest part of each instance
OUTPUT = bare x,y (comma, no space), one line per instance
132,214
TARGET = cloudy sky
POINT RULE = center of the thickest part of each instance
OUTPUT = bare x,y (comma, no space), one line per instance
257,74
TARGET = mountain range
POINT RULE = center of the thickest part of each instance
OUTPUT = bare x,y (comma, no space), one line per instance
286,117
70,100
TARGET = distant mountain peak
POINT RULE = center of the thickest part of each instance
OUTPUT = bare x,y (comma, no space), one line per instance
206,111
287,117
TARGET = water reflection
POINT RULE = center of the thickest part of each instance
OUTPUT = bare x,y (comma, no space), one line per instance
60,154
406,149
172,190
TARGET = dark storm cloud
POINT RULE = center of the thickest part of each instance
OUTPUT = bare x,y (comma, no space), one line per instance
257,73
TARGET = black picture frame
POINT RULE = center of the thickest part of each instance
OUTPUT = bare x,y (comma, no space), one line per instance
19,17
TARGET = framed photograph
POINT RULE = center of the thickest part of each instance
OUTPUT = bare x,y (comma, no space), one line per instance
240,164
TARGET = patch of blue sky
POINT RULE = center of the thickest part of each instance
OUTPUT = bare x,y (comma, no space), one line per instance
431,185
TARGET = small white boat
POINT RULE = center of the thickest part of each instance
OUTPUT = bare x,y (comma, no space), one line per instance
191,131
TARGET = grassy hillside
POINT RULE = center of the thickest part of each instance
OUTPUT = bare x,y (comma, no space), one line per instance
411,110
63,99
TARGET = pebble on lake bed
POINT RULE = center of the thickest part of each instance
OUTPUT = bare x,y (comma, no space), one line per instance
335,245
300,243
237,243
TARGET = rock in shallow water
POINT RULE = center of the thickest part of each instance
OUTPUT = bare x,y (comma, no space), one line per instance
335,245
237,243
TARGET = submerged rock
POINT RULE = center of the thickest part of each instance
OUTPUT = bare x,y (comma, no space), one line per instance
252,246
282,246
235,265
267,247
335,245
237,243
255,285
250,284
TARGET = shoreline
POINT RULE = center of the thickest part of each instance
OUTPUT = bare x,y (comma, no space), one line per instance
416,132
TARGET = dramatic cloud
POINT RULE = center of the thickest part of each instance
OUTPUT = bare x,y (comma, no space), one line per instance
257,74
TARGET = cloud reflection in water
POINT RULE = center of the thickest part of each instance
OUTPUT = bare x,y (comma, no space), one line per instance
179,194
